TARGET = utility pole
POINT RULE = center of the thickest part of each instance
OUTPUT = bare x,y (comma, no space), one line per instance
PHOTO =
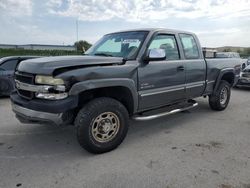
77,29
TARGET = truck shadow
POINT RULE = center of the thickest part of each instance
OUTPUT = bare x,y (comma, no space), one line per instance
143,129
48,142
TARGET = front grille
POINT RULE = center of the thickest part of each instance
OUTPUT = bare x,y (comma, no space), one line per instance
25,78
25,94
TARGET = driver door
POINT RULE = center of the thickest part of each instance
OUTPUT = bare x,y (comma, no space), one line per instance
162,82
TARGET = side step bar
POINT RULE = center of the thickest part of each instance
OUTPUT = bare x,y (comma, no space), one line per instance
191,105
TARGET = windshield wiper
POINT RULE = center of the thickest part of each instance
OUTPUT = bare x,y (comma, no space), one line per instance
103,54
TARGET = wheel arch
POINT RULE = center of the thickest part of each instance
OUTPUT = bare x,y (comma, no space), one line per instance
226,75
123,90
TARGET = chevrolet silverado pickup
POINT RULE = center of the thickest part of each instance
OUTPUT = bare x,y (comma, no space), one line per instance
140,74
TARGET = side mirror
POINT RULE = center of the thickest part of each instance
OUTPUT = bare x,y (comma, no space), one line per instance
156,54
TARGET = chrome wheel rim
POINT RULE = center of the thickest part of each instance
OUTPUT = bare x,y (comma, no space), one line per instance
223,96
105,127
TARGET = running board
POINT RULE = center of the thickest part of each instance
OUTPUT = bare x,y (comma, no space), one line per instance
191,105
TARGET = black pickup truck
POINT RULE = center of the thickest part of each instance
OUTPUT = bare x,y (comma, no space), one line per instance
140,74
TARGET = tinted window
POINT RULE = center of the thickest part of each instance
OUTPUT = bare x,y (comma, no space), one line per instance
168,43
189,46
9,65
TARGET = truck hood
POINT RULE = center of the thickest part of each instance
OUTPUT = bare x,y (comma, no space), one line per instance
47,65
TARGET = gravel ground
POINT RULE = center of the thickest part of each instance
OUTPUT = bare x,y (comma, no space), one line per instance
195,149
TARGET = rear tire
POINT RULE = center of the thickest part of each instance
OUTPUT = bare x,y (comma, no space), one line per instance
102,125
220,99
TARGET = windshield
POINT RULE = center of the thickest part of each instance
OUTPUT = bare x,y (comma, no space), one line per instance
125,44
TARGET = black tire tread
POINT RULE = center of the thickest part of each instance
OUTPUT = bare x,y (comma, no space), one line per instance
214,99
84,118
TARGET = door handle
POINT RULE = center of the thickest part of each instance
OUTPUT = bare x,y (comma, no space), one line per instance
180,68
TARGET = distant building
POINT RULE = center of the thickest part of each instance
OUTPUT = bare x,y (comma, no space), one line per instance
8,46
38,47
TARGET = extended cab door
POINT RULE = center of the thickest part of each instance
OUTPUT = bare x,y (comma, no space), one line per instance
162,82
195,65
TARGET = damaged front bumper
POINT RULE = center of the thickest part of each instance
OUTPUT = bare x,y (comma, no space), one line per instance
39,111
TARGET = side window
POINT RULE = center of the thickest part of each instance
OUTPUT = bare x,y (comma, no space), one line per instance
9,65
168,43
189,46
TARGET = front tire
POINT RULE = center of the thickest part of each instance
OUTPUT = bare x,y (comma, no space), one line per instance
220,99
102,125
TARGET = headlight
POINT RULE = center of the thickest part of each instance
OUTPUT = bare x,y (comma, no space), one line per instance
49,80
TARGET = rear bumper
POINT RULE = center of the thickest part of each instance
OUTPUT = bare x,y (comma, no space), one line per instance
43,111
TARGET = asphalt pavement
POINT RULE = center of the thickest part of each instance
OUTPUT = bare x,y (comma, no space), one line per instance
199,148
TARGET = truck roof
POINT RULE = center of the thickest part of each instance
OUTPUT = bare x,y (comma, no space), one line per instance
155,30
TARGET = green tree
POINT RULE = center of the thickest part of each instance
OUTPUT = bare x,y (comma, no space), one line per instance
82,45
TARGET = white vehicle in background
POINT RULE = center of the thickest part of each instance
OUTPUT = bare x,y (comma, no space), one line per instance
244,80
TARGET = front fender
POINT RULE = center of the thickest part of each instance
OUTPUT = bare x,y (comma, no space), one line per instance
101,83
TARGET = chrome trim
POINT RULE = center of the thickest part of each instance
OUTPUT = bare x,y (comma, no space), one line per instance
210,82
151,117
162,90
36,116
33,88
195,84
52,96
172,88
37,88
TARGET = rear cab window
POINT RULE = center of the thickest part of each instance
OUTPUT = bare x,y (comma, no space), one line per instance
190,46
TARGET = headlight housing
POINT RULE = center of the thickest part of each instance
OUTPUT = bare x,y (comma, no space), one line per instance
56,88
48,80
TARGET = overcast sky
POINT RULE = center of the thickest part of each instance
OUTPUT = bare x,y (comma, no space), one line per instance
216,22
